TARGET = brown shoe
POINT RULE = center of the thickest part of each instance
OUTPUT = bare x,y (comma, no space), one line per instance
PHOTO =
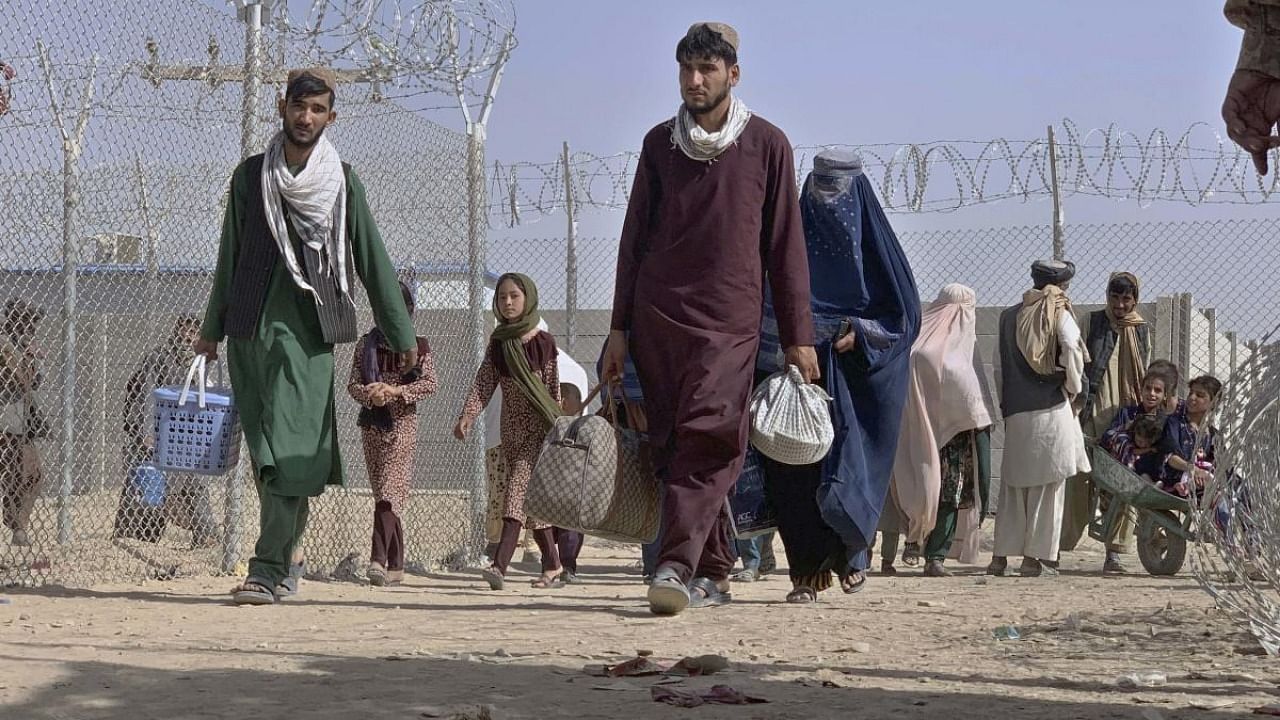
935,568
887,568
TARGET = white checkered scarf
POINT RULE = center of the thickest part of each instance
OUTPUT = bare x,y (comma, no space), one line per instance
317,199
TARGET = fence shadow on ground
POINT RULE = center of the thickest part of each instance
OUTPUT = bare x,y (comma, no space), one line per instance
329,687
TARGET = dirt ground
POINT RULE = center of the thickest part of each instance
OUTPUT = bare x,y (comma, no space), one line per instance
443,645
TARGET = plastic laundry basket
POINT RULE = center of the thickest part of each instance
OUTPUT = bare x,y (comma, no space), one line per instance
199,434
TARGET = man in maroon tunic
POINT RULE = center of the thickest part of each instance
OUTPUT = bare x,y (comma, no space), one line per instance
713,213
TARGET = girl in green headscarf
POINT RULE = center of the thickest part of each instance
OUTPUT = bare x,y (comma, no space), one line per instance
522,360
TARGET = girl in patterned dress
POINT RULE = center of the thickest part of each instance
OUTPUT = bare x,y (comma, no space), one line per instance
389,428
522,360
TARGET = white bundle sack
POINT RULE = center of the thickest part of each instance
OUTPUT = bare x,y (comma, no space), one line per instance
791,419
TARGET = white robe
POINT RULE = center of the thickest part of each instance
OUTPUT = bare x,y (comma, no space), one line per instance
1042,449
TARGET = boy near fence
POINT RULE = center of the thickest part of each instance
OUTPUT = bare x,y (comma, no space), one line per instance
522,360
1193,438
297,225
22,423
186,500
388,423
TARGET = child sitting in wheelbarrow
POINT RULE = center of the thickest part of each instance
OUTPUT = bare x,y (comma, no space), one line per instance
1193,438
1158,385
1137,447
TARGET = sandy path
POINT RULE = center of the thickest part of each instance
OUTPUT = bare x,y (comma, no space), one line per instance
909,647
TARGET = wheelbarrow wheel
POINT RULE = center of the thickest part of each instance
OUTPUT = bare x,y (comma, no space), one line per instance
1161,552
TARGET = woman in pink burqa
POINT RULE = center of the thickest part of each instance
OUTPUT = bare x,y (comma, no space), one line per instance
942,469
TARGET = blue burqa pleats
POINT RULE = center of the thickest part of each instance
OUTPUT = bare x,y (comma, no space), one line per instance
859,272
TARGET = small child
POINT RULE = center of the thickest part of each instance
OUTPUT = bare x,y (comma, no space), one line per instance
1137,446
389,428
522,359
1191,462
1157,384
1173,381
569,542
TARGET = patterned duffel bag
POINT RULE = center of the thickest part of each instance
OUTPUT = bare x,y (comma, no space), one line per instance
596,478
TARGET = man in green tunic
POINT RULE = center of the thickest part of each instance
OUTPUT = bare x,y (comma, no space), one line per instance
297,225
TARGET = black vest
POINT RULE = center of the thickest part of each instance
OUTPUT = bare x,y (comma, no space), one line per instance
1022,389
256,259
1101,341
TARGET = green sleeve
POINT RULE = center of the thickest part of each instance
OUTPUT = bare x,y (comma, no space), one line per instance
376,271
220,293
1260,47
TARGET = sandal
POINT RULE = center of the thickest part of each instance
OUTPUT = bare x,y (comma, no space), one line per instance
493,576
288,587
859,581
802,595
548,581
706,593
667,593
395,577
911,554
253,591
377,575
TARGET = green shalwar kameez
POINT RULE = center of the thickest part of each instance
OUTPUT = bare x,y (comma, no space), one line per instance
283,375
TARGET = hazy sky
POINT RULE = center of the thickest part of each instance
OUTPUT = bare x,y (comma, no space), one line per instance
599,74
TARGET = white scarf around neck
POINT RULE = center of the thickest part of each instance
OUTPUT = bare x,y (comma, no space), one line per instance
317,199
698,144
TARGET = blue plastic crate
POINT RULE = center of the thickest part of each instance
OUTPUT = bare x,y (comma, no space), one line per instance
191,439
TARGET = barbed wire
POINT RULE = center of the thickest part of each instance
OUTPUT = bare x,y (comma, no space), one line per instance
404,48
1195,167
1236,558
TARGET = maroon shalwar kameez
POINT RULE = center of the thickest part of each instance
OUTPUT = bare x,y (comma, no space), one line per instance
696,245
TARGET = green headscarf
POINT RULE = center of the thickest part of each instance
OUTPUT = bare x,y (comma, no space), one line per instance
510,334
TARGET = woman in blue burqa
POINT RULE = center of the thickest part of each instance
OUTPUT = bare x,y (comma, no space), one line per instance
866,314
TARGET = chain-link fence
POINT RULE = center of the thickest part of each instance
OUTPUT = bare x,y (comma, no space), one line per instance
119,129
1207,287
115,188
1220,270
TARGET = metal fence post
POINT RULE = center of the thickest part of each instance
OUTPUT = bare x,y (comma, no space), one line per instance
70,267
571,258
477,236
72,148
252,84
